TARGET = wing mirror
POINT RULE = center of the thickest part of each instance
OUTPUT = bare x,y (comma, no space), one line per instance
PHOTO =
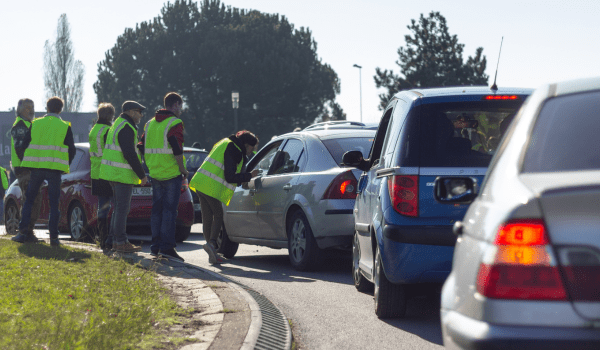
455,190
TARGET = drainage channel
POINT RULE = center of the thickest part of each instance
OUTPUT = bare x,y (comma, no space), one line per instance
275,333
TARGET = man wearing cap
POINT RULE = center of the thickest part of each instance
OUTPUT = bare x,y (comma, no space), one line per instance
121,166
49,151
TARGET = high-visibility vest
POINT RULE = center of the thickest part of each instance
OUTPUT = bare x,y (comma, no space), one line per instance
47,149
96,138
14,159
4,179
113,166
158,151
210,177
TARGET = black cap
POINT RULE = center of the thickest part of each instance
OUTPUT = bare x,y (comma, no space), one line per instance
128,105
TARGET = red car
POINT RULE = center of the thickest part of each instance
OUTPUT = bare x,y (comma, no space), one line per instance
78,207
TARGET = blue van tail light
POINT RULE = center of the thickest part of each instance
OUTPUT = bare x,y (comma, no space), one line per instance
520,264
343,186
404,194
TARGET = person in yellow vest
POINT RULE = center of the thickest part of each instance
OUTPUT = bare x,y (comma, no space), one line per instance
121,166
163,153
3,188
101,188
21,129
49,151
215,182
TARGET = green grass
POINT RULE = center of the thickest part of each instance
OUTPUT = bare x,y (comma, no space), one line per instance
65,298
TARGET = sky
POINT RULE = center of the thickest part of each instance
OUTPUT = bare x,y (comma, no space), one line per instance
544,40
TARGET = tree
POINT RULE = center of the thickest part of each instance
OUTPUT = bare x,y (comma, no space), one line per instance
205,52
63,75
432,57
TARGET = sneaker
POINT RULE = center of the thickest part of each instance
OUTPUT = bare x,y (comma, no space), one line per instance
212,255
55,242
126,247
20,237
171,254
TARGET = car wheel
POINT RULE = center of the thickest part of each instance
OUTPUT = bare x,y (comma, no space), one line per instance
182,233
390,299
12,217
304,252
225,246
360,282
77,222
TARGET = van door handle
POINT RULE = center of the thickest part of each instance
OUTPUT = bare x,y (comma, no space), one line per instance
287,187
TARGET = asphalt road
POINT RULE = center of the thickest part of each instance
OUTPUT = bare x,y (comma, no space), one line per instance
326,311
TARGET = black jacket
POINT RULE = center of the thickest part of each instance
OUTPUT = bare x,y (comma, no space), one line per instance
232,157
128,147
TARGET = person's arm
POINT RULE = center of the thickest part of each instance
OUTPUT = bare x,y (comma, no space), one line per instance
21,136
69,142
127,144
175,139
232,157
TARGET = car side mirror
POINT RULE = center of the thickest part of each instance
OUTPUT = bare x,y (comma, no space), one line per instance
455,190
352,158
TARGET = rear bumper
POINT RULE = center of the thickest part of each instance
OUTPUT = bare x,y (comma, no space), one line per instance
462,332
420,234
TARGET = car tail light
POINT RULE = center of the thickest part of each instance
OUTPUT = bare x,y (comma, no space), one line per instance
521,265
343,186
581,269
404,194
501,97
184,185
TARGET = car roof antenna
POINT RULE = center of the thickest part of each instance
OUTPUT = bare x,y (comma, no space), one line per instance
494,86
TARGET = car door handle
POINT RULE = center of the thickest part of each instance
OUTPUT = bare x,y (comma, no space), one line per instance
287,187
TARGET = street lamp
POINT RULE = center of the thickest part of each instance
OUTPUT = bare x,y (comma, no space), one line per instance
359,87
235,99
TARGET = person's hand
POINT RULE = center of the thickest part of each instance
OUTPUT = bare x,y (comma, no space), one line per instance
254,173
185,173
144,180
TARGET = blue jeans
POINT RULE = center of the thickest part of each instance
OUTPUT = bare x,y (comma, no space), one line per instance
165,200
37,179
121,205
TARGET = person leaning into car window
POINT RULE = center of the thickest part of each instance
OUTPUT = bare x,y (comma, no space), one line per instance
49,151
163,153
121,165
22,129
215,180
100,187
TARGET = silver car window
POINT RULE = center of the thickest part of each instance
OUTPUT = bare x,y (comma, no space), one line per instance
287,160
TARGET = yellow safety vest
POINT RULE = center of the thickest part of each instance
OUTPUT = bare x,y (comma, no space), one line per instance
4,178
96,139
158,151
47,149
113,166
210,177
14,159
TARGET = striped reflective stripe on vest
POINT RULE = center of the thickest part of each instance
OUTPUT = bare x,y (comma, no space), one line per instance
216,178
215,162
116,164
165,149
46,159
114,148
99,142
47,148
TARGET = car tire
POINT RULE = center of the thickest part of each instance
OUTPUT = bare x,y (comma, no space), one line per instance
182,233
77,222
12,217
361,283
226,246
305,254
390,299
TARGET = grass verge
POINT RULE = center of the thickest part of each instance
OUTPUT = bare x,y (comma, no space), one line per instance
67,298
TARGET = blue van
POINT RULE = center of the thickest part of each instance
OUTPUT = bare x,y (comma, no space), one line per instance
402,235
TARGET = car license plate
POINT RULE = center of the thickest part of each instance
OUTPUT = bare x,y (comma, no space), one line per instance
142,191
196,206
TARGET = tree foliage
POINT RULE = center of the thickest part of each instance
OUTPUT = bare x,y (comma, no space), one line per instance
63,75
205,52
432,57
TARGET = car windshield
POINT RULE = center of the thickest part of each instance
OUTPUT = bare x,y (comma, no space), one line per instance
337,147
194,159
565,135
463,134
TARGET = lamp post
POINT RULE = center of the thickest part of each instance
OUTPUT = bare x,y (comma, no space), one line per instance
235,99
359,87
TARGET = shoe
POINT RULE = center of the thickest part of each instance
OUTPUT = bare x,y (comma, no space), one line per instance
171,254
126,247
55,242
212,255
31,238
20,237
153,253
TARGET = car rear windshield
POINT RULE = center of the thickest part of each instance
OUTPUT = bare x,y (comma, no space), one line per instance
565,135
463,134
337,147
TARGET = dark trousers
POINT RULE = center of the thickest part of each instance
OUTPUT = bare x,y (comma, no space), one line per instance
121,202
37,179
23,177
212,217
165,200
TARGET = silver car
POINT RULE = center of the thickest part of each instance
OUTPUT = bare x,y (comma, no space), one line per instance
302,199
526,268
